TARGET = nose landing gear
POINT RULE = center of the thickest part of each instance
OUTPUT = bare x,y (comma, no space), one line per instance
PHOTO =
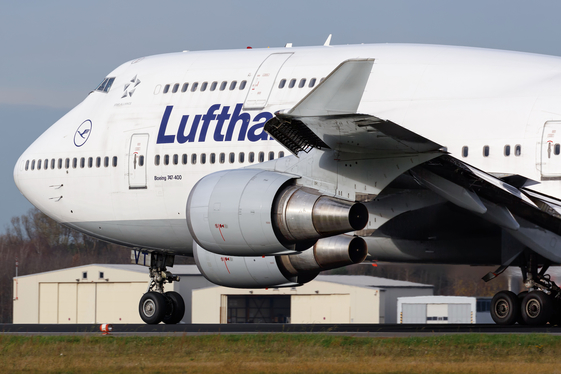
156,305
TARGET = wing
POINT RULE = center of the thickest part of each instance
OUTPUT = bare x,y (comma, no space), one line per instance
327,118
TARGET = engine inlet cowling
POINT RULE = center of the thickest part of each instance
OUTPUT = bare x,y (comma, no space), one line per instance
252,212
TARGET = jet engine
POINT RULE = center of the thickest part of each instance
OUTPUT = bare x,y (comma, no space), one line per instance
252,212
280,271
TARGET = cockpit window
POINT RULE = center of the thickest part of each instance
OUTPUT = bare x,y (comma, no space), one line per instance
105,86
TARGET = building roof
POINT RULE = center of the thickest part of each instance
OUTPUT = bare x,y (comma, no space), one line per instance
186,270
369,281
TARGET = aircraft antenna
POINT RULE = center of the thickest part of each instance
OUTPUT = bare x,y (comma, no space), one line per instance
328,41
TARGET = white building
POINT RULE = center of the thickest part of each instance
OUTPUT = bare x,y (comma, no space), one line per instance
436,309
102,293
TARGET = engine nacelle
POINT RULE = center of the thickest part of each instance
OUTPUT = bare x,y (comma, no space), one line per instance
280,271
246,272
326,254
253,212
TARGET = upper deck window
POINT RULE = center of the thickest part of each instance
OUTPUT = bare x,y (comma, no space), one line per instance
105,86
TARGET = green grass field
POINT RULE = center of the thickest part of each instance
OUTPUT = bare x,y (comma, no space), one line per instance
281,353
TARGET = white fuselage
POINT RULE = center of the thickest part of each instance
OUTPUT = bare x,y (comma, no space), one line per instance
498,111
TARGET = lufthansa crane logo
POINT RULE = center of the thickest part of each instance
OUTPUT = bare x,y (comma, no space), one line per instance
83,133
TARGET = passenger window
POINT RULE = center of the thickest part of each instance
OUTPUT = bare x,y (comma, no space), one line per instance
557,149
67,163
292,83
261,156
233,85
223,85
507,150
232,157
241,157
185,86
302,83
98,162
157,160
194,158
74,163
166,88
175,88
141,160
53,163
222,158
90,162
27,165
212,158
213,86
114,161
175,159
271,156
251,157
281,154
184,159
486,151
82,162
203,86
106,161
242,85
60,163
312,82
194,86
203,158
282,83
517,150
464,151
166,159
33,165
322,79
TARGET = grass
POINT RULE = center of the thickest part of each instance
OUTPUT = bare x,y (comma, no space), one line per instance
281,353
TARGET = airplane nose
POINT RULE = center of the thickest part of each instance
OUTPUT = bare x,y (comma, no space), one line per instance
18,168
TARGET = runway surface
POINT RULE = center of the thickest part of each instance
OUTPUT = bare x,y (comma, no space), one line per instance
345,329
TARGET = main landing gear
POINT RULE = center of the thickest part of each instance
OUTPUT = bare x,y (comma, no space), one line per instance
156,305
537,306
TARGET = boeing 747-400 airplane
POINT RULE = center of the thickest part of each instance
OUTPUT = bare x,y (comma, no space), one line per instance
271,165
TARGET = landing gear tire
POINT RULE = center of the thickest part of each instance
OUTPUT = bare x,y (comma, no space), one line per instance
152,307
505,308
537,308
521,297
175,308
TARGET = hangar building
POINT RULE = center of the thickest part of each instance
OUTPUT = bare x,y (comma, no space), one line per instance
101,293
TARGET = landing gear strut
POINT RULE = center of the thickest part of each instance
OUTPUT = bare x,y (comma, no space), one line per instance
156,305
537,306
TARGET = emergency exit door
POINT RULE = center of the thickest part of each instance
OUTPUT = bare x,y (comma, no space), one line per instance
263,81
137,161
550,162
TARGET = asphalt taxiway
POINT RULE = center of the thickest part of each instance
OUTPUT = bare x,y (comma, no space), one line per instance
256,328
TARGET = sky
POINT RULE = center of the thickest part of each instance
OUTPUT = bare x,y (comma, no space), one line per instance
53,53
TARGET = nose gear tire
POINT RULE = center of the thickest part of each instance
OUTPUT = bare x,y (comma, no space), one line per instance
152,307
176,308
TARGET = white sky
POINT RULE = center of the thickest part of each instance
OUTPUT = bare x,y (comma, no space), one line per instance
54,52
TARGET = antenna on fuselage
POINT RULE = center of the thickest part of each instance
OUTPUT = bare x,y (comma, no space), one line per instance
328,41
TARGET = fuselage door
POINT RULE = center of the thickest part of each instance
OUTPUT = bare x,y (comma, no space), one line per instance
263,81
137,161
550,150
